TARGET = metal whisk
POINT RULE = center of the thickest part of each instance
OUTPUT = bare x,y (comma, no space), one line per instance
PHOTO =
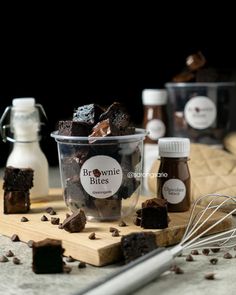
147,268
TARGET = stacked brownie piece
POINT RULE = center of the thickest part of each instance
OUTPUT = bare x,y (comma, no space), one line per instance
16,185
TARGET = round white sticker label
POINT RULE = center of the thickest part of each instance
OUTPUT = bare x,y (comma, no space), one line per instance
101,176
200,112
174,191
156,128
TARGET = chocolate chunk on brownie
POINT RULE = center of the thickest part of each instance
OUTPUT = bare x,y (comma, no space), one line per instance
18,179
16,202
88,114
75,223
154,214
73,128
47,256
137,244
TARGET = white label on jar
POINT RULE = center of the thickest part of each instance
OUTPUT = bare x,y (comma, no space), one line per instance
200,112
156,128
174,191
101,176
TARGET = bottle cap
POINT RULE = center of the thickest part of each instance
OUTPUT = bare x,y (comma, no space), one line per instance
23,103
154,96
174,147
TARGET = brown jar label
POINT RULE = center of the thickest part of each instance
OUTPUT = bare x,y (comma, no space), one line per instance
101,176
174,191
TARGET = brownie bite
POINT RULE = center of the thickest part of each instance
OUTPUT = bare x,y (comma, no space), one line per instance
47,256
16,185
18,179
16,202
136,245
73,128
88,114
154,214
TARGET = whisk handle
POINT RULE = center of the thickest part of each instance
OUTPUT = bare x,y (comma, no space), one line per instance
133,275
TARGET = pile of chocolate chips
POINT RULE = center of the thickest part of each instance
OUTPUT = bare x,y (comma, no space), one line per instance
93,121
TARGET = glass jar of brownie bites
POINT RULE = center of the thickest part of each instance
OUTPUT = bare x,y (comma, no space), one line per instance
100,169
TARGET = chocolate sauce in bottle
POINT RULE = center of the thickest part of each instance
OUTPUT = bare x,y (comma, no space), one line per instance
155,114
174,176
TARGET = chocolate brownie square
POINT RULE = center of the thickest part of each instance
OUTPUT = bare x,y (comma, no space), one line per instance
137,244
16,202
18,179
88,114
47,256
72,128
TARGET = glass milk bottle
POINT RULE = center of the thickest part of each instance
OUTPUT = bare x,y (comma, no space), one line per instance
26,152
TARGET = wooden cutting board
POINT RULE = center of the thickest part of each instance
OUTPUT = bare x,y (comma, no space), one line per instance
105,249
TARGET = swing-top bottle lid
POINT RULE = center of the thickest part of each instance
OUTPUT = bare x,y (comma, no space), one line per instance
174,147
23,103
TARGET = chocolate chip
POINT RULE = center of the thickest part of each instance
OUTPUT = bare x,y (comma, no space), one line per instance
111,229
44,218
82,264
55,220
16,260
3,259
194,252
139,212
48,209
92,236
189,258
209,276
9,254
67,269
205,252
122,223
215,249
15,238
227,255
67,215
24,219
178,270
173,267
115,233
70,259
60,226
213,260
52,212
30,243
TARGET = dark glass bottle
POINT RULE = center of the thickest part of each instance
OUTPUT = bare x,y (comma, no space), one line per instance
174,181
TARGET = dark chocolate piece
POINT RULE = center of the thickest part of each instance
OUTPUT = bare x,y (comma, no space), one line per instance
154,214
115,233
178,270
88,114
44,218
67,215
15,238
30,243
216,249
75,223
24,219
4,259
209,276
16,260
92,236
82,264
111,229
227,256
73,128
137,244
47,256
137,221
48,209
122,223
205,252
195,61
55,220
213,261
194,252
70,259
18,179
16,202
52,212
189,258
9,254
